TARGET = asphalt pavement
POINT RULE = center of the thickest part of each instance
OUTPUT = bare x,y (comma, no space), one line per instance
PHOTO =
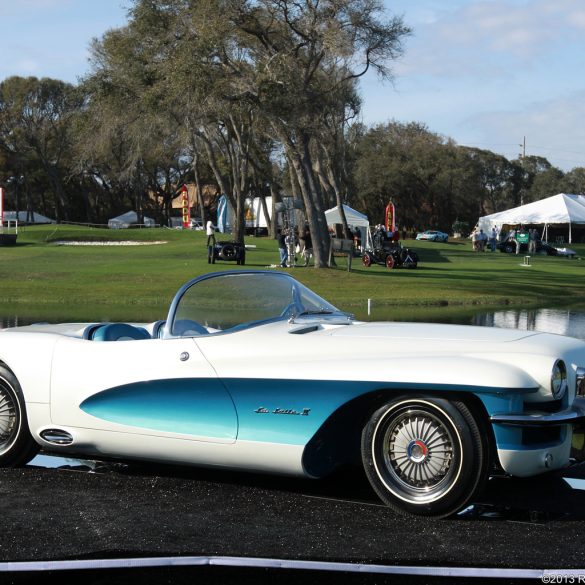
113,511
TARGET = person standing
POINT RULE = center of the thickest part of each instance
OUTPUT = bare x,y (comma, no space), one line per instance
481,241
210,230
532,237
493,239
281,239
357,239
308,249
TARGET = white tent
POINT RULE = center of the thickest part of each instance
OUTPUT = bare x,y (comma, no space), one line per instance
27,217
354,218
128,219
561,209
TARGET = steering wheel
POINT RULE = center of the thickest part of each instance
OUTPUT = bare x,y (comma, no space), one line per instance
188,328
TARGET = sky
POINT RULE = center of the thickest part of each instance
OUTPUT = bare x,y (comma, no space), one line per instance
486,73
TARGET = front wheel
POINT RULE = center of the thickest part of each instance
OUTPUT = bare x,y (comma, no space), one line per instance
17,447
424,455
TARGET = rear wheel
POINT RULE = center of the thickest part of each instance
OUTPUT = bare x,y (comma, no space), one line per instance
390,262
366,260
424,455
17,446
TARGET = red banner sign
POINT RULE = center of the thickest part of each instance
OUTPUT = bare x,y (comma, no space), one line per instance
390,218
186,208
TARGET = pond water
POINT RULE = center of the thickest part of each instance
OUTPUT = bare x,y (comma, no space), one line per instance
569,320
564,321
561,320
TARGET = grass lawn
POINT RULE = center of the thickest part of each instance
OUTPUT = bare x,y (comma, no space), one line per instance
71,280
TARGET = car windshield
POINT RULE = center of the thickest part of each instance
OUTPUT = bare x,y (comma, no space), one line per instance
235,300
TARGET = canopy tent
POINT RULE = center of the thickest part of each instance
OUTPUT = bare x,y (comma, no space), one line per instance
562,209
128,219
354,218
27,217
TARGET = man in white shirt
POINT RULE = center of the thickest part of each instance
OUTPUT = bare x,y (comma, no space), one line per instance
210,233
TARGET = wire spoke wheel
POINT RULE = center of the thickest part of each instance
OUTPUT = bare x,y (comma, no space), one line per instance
425,455
9,418
17,447
418,452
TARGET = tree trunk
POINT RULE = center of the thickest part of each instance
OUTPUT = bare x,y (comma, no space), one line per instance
315,215
327,179
199,192
274,217
265,212
60,197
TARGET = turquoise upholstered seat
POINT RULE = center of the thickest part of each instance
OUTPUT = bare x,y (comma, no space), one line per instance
119,332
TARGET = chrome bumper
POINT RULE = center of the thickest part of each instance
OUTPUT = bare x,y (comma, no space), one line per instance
574,414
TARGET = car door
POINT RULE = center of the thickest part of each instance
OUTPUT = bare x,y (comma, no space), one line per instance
157,387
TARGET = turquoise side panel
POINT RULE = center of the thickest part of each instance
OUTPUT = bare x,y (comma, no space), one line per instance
291,411
281,411
199,407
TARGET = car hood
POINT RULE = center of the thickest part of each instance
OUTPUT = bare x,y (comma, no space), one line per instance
431,332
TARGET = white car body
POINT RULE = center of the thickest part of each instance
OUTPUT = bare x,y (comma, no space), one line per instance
283,395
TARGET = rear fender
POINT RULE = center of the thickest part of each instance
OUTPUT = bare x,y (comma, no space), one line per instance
29,357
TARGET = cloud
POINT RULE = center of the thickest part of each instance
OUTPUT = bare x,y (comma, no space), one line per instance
488,73
476,36
553,129
522,29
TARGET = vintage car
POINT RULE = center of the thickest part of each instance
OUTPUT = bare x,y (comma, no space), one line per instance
392,255
228,251
507,244
388,251
433,236
252,370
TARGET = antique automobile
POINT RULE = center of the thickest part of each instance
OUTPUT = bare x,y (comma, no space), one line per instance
228,251
389,252
433,236
507,244
251,370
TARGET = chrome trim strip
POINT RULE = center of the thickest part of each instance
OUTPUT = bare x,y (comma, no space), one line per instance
286,564
568,416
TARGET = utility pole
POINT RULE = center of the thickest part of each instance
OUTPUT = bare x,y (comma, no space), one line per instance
522,157
523,147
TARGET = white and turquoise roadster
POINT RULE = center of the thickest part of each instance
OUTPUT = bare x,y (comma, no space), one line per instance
251,370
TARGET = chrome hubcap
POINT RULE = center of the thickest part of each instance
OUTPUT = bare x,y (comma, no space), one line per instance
418,450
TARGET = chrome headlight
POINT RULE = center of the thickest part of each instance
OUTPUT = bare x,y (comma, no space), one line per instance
558,379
